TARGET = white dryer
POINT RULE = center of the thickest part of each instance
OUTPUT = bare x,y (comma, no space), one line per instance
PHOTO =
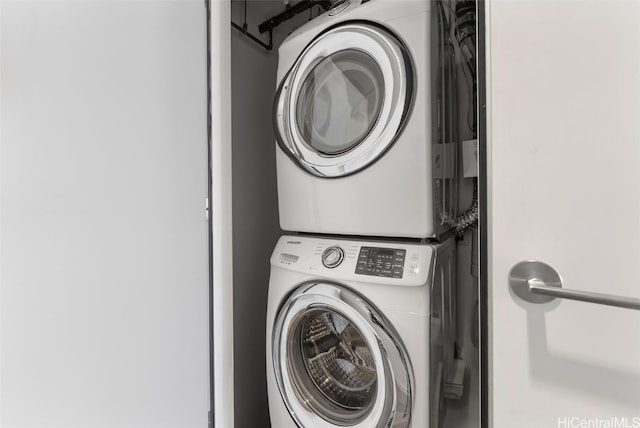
359,334
363,123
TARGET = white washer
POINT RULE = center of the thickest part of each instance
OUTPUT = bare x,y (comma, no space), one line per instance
359,334
362,123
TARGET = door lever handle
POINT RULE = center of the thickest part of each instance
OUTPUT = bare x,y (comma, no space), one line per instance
537,282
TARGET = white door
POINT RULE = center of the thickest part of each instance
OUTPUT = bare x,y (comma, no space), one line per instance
563,100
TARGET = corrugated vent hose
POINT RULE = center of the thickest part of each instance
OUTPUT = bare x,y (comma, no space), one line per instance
467,219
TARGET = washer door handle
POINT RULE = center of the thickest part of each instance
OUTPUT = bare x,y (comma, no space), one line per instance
537,282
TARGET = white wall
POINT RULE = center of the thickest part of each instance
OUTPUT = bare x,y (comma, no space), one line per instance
103,263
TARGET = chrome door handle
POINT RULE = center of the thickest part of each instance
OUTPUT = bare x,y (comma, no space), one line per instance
537,282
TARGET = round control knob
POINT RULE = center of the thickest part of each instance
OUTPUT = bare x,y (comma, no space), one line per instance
332,257
338,7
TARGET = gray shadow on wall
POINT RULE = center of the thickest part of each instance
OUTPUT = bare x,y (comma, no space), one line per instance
600,381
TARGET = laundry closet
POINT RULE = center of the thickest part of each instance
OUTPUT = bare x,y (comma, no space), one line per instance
256,222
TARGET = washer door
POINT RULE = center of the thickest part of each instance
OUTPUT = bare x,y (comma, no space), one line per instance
338,361
345,100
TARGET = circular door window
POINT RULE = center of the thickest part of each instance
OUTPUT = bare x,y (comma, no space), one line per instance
338,362
345,100
332,366
340,102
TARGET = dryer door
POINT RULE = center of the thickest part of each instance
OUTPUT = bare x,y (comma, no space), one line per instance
345,100
338,361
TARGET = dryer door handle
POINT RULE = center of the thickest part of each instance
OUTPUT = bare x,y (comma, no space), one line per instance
280,118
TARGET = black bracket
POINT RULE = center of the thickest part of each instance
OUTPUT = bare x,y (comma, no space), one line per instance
290,12
270,24
243,30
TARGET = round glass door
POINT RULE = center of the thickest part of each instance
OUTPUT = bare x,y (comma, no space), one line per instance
338,362
332,366
340,102
345,100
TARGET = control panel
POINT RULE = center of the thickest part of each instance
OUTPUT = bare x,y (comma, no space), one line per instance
374,262
377,261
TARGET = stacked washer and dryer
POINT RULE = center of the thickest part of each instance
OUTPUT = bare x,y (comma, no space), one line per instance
360,317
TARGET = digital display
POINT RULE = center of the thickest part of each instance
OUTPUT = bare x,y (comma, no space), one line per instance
385,262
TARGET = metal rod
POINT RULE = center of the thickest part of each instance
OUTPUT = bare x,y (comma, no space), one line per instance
538,287
245,14
244,31
290,12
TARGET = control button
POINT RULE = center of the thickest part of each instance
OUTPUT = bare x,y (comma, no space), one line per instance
338,7
414,256
332,257
413,270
